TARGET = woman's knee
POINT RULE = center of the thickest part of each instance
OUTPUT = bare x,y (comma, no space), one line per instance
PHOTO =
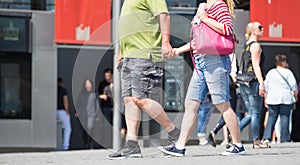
223,107
191,105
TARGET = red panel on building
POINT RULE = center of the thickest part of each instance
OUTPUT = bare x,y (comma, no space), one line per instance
83,22
280,19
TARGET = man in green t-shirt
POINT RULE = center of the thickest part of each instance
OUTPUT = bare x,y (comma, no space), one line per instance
144,35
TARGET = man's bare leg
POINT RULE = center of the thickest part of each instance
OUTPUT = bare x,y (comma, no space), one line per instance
156,111
133,117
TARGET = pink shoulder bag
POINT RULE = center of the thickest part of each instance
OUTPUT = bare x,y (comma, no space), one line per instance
208,41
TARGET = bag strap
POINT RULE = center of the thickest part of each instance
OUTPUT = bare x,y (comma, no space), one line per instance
284,80
242,59
193,58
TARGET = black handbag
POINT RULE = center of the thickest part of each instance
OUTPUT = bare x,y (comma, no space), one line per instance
244,79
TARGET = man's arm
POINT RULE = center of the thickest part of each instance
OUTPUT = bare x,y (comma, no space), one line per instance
166,49
66,104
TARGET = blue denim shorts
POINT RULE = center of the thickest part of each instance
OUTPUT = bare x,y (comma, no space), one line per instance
141,78
212,76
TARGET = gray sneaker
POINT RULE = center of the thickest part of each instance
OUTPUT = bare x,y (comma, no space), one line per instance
126,152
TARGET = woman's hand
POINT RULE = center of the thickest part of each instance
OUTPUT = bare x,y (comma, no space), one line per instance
266,105
98,119
176,51
262,89
202,15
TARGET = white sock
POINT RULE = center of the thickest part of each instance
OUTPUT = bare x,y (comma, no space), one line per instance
238,144
180,147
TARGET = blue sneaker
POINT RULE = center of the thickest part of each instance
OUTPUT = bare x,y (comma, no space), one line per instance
234,150
172,150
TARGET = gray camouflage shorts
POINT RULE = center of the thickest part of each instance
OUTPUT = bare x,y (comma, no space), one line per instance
140,77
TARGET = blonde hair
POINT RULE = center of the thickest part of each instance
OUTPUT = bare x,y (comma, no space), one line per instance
231,6
249,28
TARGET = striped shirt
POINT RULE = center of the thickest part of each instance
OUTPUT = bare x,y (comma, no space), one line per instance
219,12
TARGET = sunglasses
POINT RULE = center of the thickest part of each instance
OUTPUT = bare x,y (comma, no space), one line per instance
260,28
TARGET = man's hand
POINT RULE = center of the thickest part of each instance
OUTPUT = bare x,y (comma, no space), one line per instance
103,97
166,50
68,113
119,59
119,62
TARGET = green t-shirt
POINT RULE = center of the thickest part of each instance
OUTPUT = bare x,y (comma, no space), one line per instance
139,29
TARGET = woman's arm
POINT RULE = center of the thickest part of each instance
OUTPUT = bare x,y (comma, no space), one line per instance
182,49
296,95
255,50
217,26
222,22
293,83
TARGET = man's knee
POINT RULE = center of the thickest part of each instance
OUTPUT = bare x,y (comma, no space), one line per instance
141,102
128,99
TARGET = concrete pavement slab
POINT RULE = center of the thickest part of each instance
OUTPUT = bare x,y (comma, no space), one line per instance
279,154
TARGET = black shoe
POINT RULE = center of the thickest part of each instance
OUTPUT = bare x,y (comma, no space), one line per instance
210,138
126,152
228,145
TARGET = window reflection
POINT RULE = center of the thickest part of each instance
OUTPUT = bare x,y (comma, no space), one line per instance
15,82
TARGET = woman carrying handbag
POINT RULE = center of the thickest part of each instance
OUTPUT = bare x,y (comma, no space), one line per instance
281,87
252,94
211,73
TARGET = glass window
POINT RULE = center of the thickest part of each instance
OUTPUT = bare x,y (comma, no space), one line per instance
16,4
50,5
15,83
174,89
181,3
28,4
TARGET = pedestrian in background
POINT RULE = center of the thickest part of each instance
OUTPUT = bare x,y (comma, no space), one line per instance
252,95
105,95
281,94
204,113
88,112
63,113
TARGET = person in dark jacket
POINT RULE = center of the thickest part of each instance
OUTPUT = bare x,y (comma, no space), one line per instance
87,110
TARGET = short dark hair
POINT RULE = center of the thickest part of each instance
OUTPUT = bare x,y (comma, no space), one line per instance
279,58
108,70
59,80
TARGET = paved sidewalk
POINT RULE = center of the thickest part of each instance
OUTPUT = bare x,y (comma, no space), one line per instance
279,154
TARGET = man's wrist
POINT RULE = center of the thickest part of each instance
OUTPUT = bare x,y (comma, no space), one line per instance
165,42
